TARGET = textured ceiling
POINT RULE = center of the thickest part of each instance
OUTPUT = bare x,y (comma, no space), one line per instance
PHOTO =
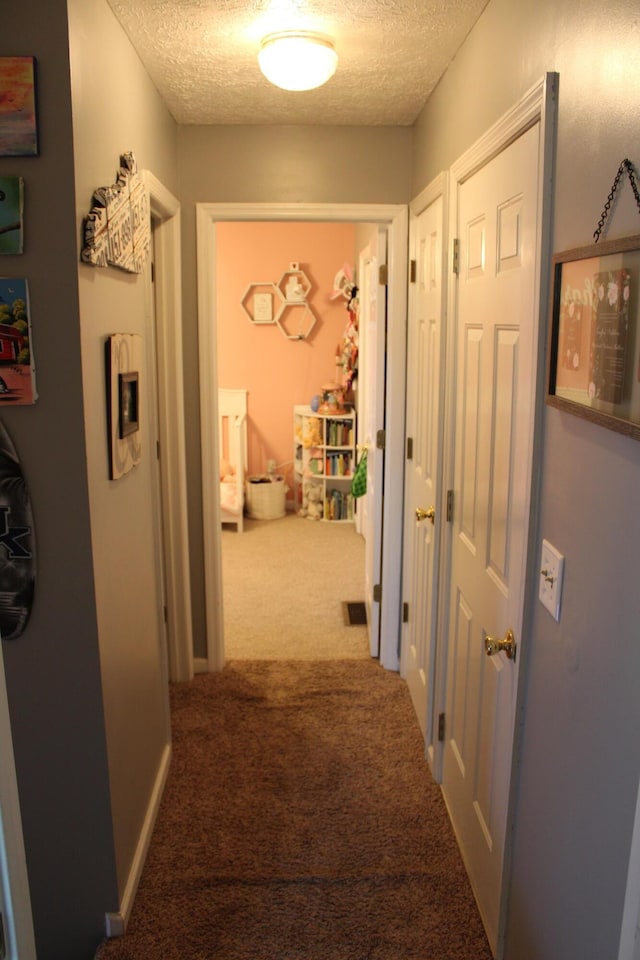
202,56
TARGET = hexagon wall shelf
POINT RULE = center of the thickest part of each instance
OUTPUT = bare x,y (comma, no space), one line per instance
258,302
283,303
294,284
296,315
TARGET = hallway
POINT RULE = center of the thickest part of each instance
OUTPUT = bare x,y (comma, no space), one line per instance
300,821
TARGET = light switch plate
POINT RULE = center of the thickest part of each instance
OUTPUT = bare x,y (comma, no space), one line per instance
551,572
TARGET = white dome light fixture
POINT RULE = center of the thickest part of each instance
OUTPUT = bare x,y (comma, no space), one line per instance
297,59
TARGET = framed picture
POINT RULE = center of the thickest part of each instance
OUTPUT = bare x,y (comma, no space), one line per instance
594,341
128,397
123,360
11,214
18,128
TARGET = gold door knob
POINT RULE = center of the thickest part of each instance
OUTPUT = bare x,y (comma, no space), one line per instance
495,645
429,514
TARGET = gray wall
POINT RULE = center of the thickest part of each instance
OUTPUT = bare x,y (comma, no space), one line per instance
117,109
580,751
269,165
86,683
53,670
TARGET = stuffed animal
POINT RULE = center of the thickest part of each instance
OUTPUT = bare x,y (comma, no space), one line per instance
314,502
312,506
313,432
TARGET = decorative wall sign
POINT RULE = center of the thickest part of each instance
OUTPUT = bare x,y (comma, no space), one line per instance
123,357
17,544
18,130
594,356
117,230
17,371
11,204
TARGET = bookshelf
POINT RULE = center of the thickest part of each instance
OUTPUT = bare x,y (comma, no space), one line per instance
324,458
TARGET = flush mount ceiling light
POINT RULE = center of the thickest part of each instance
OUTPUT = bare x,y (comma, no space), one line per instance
297,60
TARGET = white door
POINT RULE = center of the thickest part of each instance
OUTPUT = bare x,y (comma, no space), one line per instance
496,356
372,330
423,521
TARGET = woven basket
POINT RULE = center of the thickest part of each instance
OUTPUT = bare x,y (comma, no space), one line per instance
265,500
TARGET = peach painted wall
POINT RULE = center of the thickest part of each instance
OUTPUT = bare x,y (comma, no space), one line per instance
278,373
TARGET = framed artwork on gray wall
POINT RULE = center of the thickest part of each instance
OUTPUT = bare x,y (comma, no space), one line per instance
18,127
594,336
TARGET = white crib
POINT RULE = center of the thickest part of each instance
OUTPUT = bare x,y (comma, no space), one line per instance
232,434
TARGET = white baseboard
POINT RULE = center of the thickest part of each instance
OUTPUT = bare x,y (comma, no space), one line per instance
200,665
116,923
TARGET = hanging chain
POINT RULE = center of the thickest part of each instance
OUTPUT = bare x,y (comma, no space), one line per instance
628,166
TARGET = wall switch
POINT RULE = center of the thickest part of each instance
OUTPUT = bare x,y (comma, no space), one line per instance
551,571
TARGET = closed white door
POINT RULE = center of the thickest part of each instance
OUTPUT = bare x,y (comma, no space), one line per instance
372,331
423,521
496,349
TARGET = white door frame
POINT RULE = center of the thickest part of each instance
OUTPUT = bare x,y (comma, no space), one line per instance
538,105
395,217
436,684
168,312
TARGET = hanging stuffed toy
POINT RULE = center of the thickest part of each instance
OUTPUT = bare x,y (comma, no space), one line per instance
347,352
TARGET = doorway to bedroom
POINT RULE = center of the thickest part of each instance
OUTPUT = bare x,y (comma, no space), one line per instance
292,374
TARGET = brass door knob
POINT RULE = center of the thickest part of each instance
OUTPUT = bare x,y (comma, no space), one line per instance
495,645
429,514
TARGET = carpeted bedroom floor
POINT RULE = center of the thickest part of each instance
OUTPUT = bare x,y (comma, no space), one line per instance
284,585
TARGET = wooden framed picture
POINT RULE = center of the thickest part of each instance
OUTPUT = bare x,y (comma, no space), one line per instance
594,341
18,127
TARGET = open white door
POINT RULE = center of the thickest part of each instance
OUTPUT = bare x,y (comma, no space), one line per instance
497,299
424,505
372,329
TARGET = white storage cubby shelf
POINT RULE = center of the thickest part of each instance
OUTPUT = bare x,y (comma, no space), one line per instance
324,458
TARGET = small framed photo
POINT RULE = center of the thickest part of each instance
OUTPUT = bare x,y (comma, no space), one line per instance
18,127
128,400
123,361
594,337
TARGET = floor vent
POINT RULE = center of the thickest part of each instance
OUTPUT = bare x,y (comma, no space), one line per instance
355,614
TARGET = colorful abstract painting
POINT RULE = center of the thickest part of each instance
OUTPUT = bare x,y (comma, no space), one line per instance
11,203
17,372
18,131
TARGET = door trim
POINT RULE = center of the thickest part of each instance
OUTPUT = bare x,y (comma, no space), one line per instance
165,208
538,105
395,217
436,690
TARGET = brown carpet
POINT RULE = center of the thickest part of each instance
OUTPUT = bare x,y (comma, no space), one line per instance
300,822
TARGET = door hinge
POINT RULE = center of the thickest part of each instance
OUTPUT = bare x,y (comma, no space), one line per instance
405,612
449,506
383,274
153,272
377,593
441,728
409,448
380,439
157,449
413,270
456,256
166,613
